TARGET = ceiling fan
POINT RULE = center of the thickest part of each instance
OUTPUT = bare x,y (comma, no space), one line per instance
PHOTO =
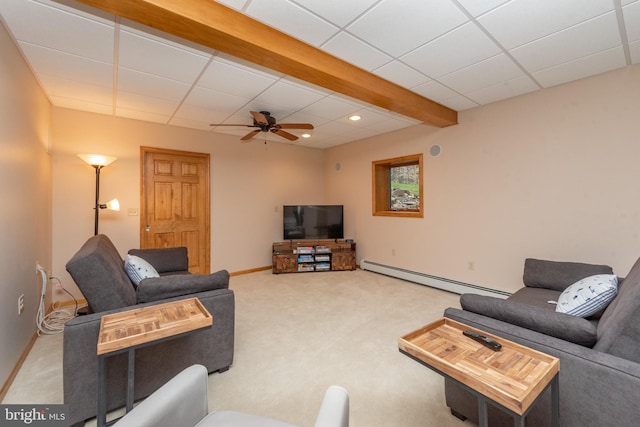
266,123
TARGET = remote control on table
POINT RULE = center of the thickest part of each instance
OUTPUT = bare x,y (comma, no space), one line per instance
487,342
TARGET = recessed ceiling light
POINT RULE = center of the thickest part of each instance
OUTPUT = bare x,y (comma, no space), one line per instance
354,117
306,135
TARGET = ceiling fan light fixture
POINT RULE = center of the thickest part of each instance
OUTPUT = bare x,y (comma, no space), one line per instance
306,135
355,117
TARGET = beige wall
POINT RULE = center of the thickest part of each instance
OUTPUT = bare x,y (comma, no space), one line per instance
249,184
25,197
553,175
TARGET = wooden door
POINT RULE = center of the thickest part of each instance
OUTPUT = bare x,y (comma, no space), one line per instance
174,195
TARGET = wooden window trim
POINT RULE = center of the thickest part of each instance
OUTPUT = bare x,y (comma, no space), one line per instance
381,186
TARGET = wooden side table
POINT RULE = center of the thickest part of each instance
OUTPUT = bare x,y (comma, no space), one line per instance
511,379
129,330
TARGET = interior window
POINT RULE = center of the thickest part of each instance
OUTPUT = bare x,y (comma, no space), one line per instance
397,186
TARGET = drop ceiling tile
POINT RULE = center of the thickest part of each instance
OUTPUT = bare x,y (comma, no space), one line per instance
147,104
462,47
477,8
235,79
290,94
77,104
337,128
293,20
339,12
401,74
459,103
529,20
371,117
200,115
361,133
330,142
304,117
503,90
64,88
600,62
435,91
188,123
388,125
585,39
53,26
141,115
68,66
331,108
483,74
162,59
354,51
398,27
214,100
632,21
151,85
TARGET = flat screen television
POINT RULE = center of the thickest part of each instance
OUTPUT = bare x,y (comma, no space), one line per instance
313,222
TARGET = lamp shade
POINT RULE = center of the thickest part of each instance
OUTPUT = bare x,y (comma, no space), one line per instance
97,159
113,205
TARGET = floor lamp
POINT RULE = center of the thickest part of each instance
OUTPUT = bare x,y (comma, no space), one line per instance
99,161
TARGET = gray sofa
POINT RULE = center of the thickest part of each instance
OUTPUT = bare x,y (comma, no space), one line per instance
98,270
599,356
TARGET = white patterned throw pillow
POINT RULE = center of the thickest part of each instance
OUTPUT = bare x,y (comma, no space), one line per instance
589,295
138,269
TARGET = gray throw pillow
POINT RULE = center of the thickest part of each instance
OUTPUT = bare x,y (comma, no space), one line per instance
564,326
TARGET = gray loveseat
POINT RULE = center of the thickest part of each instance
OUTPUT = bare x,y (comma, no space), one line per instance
98,270
599,356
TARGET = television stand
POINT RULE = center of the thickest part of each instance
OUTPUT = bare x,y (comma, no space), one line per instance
300,256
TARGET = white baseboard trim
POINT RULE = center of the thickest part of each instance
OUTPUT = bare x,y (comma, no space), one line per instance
432,281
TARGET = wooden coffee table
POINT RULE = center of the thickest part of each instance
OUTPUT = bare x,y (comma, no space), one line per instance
511,378
129,330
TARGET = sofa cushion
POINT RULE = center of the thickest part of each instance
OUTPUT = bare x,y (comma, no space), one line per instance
588,296
548,322
537,297
98,270
154,289
558,275
165,260
619,326
138,269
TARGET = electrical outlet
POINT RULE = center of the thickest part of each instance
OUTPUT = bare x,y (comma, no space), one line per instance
20,304
471,265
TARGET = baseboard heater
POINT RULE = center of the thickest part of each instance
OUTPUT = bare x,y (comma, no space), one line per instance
432,281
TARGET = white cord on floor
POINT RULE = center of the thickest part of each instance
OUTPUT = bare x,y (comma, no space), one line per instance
52,323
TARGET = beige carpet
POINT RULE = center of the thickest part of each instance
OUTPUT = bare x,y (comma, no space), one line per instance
296,334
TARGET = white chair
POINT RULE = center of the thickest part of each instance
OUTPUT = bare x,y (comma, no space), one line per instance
183,402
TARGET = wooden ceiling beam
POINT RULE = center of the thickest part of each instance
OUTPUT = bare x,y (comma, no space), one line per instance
219,27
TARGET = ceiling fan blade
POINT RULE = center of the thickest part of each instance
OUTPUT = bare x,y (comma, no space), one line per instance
250,135
284,134
295,126
230,124
260,118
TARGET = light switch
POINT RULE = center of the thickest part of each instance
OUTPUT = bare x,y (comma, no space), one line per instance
132,211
